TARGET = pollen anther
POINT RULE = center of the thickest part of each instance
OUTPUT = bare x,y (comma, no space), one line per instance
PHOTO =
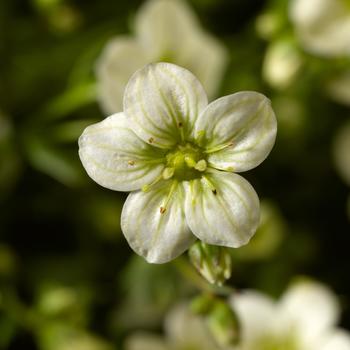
201,165
168,173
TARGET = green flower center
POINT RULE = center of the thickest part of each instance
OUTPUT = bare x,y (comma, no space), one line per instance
185,162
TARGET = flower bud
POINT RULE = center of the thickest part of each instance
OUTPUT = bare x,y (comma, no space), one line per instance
212,262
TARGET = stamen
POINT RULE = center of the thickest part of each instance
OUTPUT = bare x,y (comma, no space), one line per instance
200,137
219,147
151,140
168,173
173,187
146,188
201,165
131,162
191,163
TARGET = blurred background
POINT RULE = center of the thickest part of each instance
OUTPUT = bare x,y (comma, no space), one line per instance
66,271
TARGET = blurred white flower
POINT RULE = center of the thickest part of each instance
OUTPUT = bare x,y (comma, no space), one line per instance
178,154
183,330
322,26
282,63
165,30
304,319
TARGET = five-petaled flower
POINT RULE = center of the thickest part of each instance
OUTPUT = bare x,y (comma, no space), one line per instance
304,318
178,155
322,26
165,30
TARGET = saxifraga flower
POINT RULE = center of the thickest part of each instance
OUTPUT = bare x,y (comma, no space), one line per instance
179,155
164,30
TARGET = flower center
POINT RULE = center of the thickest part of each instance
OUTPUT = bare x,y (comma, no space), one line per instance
185,162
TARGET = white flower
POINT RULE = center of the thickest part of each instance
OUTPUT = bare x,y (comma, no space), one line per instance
282,64
178,155
165,30
304,319
322,26
183,331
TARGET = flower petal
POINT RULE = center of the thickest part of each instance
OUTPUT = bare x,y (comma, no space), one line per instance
121,57
337,340
145,341
164,25
186,330
256,313
158,237
172,32
240,130
163,101
116,158
206,58
222,209
311,307
322,26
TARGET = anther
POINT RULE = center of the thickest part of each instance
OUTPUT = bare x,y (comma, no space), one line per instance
201,165
145,188
191,163
151,140
168,173
214,192
179,124
162,210
131,162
